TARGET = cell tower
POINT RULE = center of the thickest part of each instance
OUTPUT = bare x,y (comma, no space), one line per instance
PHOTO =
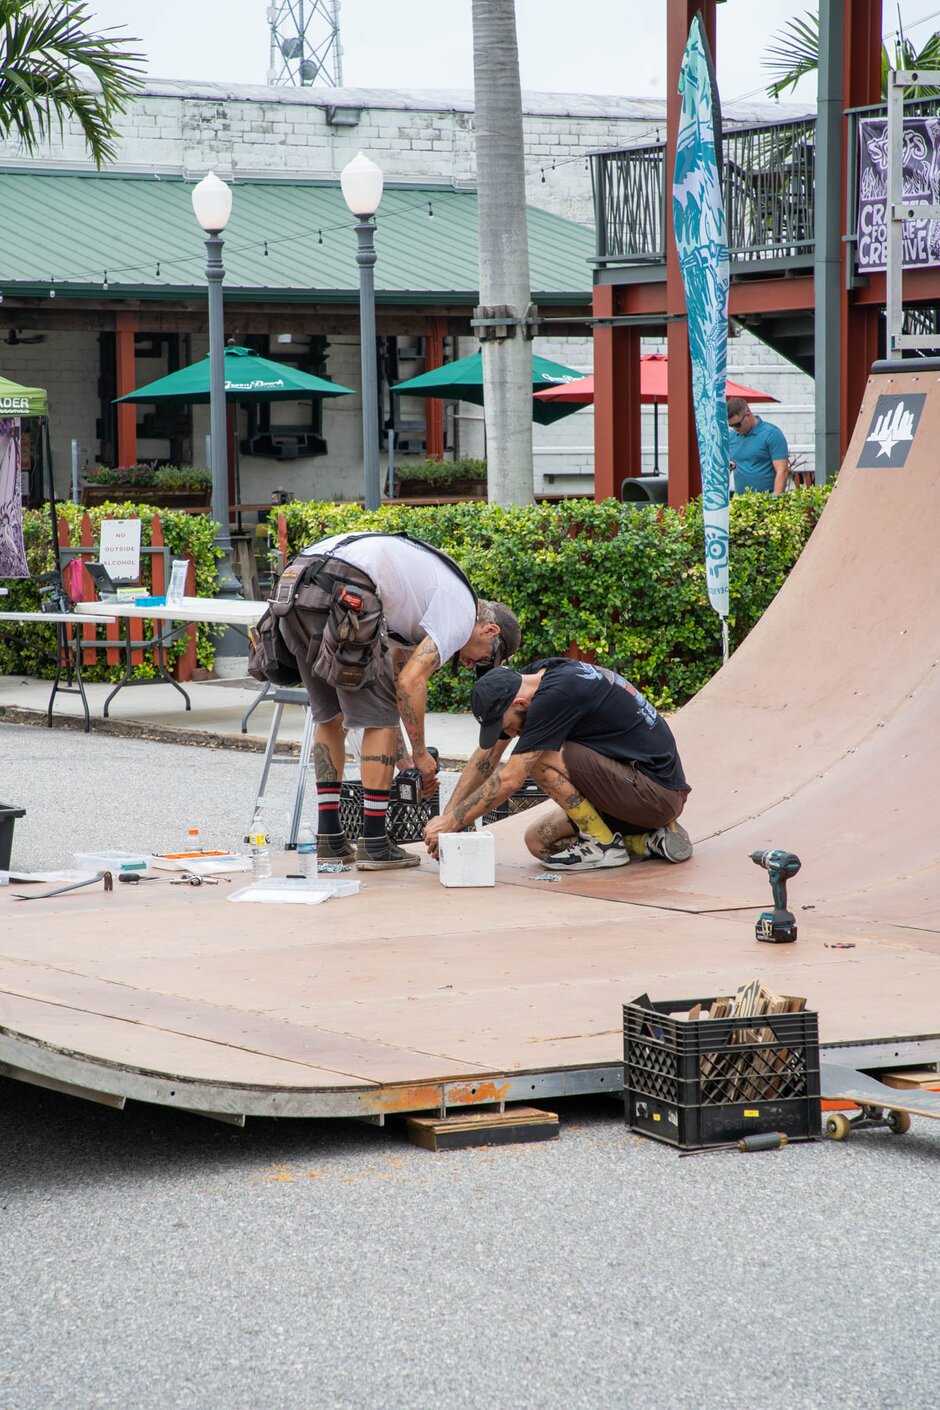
305,45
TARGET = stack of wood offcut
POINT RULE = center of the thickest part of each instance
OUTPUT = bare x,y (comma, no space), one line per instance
750,1076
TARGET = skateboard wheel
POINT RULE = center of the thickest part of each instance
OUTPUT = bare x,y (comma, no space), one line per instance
898,1122
838,1126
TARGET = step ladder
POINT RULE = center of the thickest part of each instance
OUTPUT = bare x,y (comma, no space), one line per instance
281,696
296,695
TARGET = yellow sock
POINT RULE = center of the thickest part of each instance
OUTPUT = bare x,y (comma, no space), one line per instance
635,843
587,819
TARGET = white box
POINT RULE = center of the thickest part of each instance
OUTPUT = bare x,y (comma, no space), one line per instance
467,859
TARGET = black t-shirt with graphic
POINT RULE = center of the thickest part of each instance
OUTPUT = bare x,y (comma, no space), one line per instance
596,707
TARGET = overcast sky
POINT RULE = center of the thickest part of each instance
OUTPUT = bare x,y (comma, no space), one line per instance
596,46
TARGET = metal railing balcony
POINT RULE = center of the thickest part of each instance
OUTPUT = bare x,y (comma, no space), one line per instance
768,182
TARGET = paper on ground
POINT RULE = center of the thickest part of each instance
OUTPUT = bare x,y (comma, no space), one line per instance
294,891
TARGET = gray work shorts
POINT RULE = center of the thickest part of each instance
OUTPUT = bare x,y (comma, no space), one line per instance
627,799
375,706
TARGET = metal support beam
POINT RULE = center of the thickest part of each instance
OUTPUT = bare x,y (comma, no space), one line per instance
616,398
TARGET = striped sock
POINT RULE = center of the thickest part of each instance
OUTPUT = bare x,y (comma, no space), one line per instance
374,809
328,823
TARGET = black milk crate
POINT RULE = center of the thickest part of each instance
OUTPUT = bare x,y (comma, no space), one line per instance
406,821
525,797
8,817
688,1082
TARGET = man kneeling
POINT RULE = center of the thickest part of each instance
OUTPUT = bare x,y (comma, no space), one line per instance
597,748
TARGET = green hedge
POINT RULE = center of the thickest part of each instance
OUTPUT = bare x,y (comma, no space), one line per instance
626,584
31,651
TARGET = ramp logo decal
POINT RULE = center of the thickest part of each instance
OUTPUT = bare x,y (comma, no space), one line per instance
892,431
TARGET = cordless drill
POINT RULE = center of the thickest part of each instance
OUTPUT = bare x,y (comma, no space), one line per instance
779,925
410,783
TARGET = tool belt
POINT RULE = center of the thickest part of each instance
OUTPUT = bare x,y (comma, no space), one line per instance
328,614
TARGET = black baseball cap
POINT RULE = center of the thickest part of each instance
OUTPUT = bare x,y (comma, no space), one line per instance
492,696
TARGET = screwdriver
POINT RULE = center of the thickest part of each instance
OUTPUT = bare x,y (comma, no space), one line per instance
766,1141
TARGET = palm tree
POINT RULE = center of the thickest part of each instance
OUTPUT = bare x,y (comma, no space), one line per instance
503,249
796,54
44,48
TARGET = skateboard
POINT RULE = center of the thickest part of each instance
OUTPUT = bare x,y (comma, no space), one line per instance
878,1104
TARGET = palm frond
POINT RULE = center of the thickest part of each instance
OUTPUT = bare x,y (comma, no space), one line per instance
46,53
795,54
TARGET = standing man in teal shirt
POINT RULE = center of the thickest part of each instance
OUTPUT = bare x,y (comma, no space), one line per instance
758,451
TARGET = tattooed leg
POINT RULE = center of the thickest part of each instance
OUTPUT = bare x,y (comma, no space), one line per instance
329,750
546,836
550,773
378,757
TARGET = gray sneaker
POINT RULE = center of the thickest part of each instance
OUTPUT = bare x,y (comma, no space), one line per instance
670,843
333,847
587,854
382,854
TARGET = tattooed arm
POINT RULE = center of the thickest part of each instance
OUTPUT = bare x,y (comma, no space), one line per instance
477,770
412,688
495,789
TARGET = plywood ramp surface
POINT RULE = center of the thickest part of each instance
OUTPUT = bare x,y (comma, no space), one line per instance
818,737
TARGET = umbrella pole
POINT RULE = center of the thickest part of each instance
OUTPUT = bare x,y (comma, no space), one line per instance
655,437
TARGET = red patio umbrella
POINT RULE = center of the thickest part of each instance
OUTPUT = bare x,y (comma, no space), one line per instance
654,369
654,376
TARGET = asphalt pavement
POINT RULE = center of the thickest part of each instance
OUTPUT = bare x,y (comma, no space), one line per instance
154,1260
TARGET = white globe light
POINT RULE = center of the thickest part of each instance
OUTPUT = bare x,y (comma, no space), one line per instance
212,202
362,183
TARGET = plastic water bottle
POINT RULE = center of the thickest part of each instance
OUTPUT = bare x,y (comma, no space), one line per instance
192,841
307,853
259,843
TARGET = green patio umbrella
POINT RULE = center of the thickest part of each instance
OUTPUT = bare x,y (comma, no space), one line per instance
248,377
463,381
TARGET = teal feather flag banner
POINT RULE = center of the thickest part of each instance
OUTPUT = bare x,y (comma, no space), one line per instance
701,235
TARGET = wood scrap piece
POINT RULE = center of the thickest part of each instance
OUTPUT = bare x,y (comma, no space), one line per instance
483,1128
917,1079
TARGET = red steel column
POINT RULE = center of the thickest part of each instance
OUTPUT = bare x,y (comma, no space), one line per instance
433,407
125,326
616,398
685,476
860,324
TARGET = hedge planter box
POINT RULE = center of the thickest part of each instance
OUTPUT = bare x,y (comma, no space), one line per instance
195,499
424,489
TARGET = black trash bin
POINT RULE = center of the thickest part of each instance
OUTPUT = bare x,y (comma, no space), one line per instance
645,489
8,817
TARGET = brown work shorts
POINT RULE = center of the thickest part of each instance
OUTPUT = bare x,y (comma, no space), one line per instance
627,799
374,706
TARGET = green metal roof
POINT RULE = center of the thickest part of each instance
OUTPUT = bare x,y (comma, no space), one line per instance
77,231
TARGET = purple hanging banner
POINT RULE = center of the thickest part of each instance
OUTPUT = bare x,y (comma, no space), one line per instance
12,549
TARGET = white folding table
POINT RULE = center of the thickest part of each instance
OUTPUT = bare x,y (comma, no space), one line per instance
226,611
67,650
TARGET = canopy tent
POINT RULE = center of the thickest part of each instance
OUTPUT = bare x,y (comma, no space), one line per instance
22,401
249,377
654,388
463,381
15,403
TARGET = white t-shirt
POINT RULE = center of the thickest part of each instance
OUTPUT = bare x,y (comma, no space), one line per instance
421,595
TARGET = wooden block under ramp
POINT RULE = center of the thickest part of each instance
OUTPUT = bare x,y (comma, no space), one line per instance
921,1079
482,1128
